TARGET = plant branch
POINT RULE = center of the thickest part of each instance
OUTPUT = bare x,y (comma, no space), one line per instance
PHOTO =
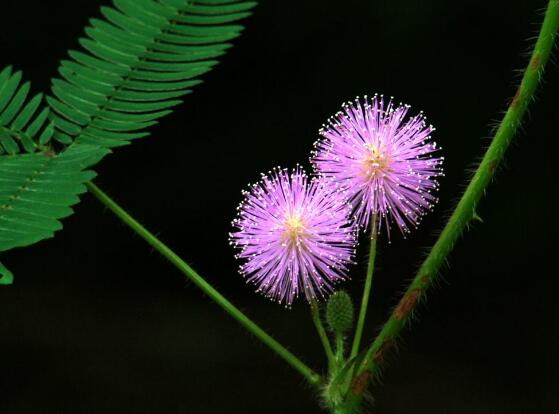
322,334
465,211
312,377
366,291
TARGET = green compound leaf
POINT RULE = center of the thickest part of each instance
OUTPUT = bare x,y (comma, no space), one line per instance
36,190
20,118
6,277
134,67
136,64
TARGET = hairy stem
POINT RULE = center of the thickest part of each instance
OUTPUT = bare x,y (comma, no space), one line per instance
366,291
464,212
312,377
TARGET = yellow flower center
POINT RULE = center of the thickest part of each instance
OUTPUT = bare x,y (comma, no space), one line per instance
374,163
294,229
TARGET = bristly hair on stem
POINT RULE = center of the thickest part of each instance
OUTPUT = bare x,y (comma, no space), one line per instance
464,212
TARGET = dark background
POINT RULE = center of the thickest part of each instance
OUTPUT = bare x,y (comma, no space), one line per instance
96,322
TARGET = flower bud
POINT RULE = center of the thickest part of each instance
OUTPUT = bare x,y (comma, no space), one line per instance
339,312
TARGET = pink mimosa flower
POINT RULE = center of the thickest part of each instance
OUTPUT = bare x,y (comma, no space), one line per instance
385,160
294,235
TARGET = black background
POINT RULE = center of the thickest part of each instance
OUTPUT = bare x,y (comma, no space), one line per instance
96,322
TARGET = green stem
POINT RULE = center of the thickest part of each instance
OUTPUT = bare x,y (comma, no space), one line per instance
465,210
322,334
227,306
366,291
339,349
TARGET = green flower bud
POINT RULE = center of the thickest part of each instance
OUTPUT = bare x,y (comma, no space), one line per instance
339,312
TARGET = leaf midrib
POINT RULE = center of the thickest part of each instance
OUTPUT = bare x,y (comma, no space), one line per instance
22,189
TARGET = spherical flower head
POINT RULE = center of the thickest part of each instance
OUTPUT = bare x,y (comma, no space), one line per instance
383,158
295,236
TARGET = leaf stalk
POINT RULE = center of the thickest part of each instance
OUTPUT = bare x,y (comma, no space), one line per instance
312,377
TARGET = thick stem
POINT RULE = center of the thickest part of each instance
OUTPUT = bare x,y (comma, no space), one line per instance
366,290
322,334
465,210
312,377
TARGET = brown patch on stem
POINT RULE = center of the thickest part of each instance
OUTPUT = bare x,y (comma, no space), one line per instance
425,279
379,354
360,382
535,62
515,99
407,303
49,153
491,166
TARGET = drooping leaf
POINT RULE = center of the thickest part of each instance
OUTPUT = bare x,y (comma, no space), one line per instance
136,65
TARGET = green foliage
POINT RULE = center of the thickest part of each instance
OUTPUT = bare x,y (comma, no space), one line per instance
21,120
37,186
36,190
137,63
6,277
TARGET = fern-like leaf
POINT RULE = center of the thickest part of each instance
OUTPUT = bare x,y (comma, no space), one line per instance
36,190
137,64
21,121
